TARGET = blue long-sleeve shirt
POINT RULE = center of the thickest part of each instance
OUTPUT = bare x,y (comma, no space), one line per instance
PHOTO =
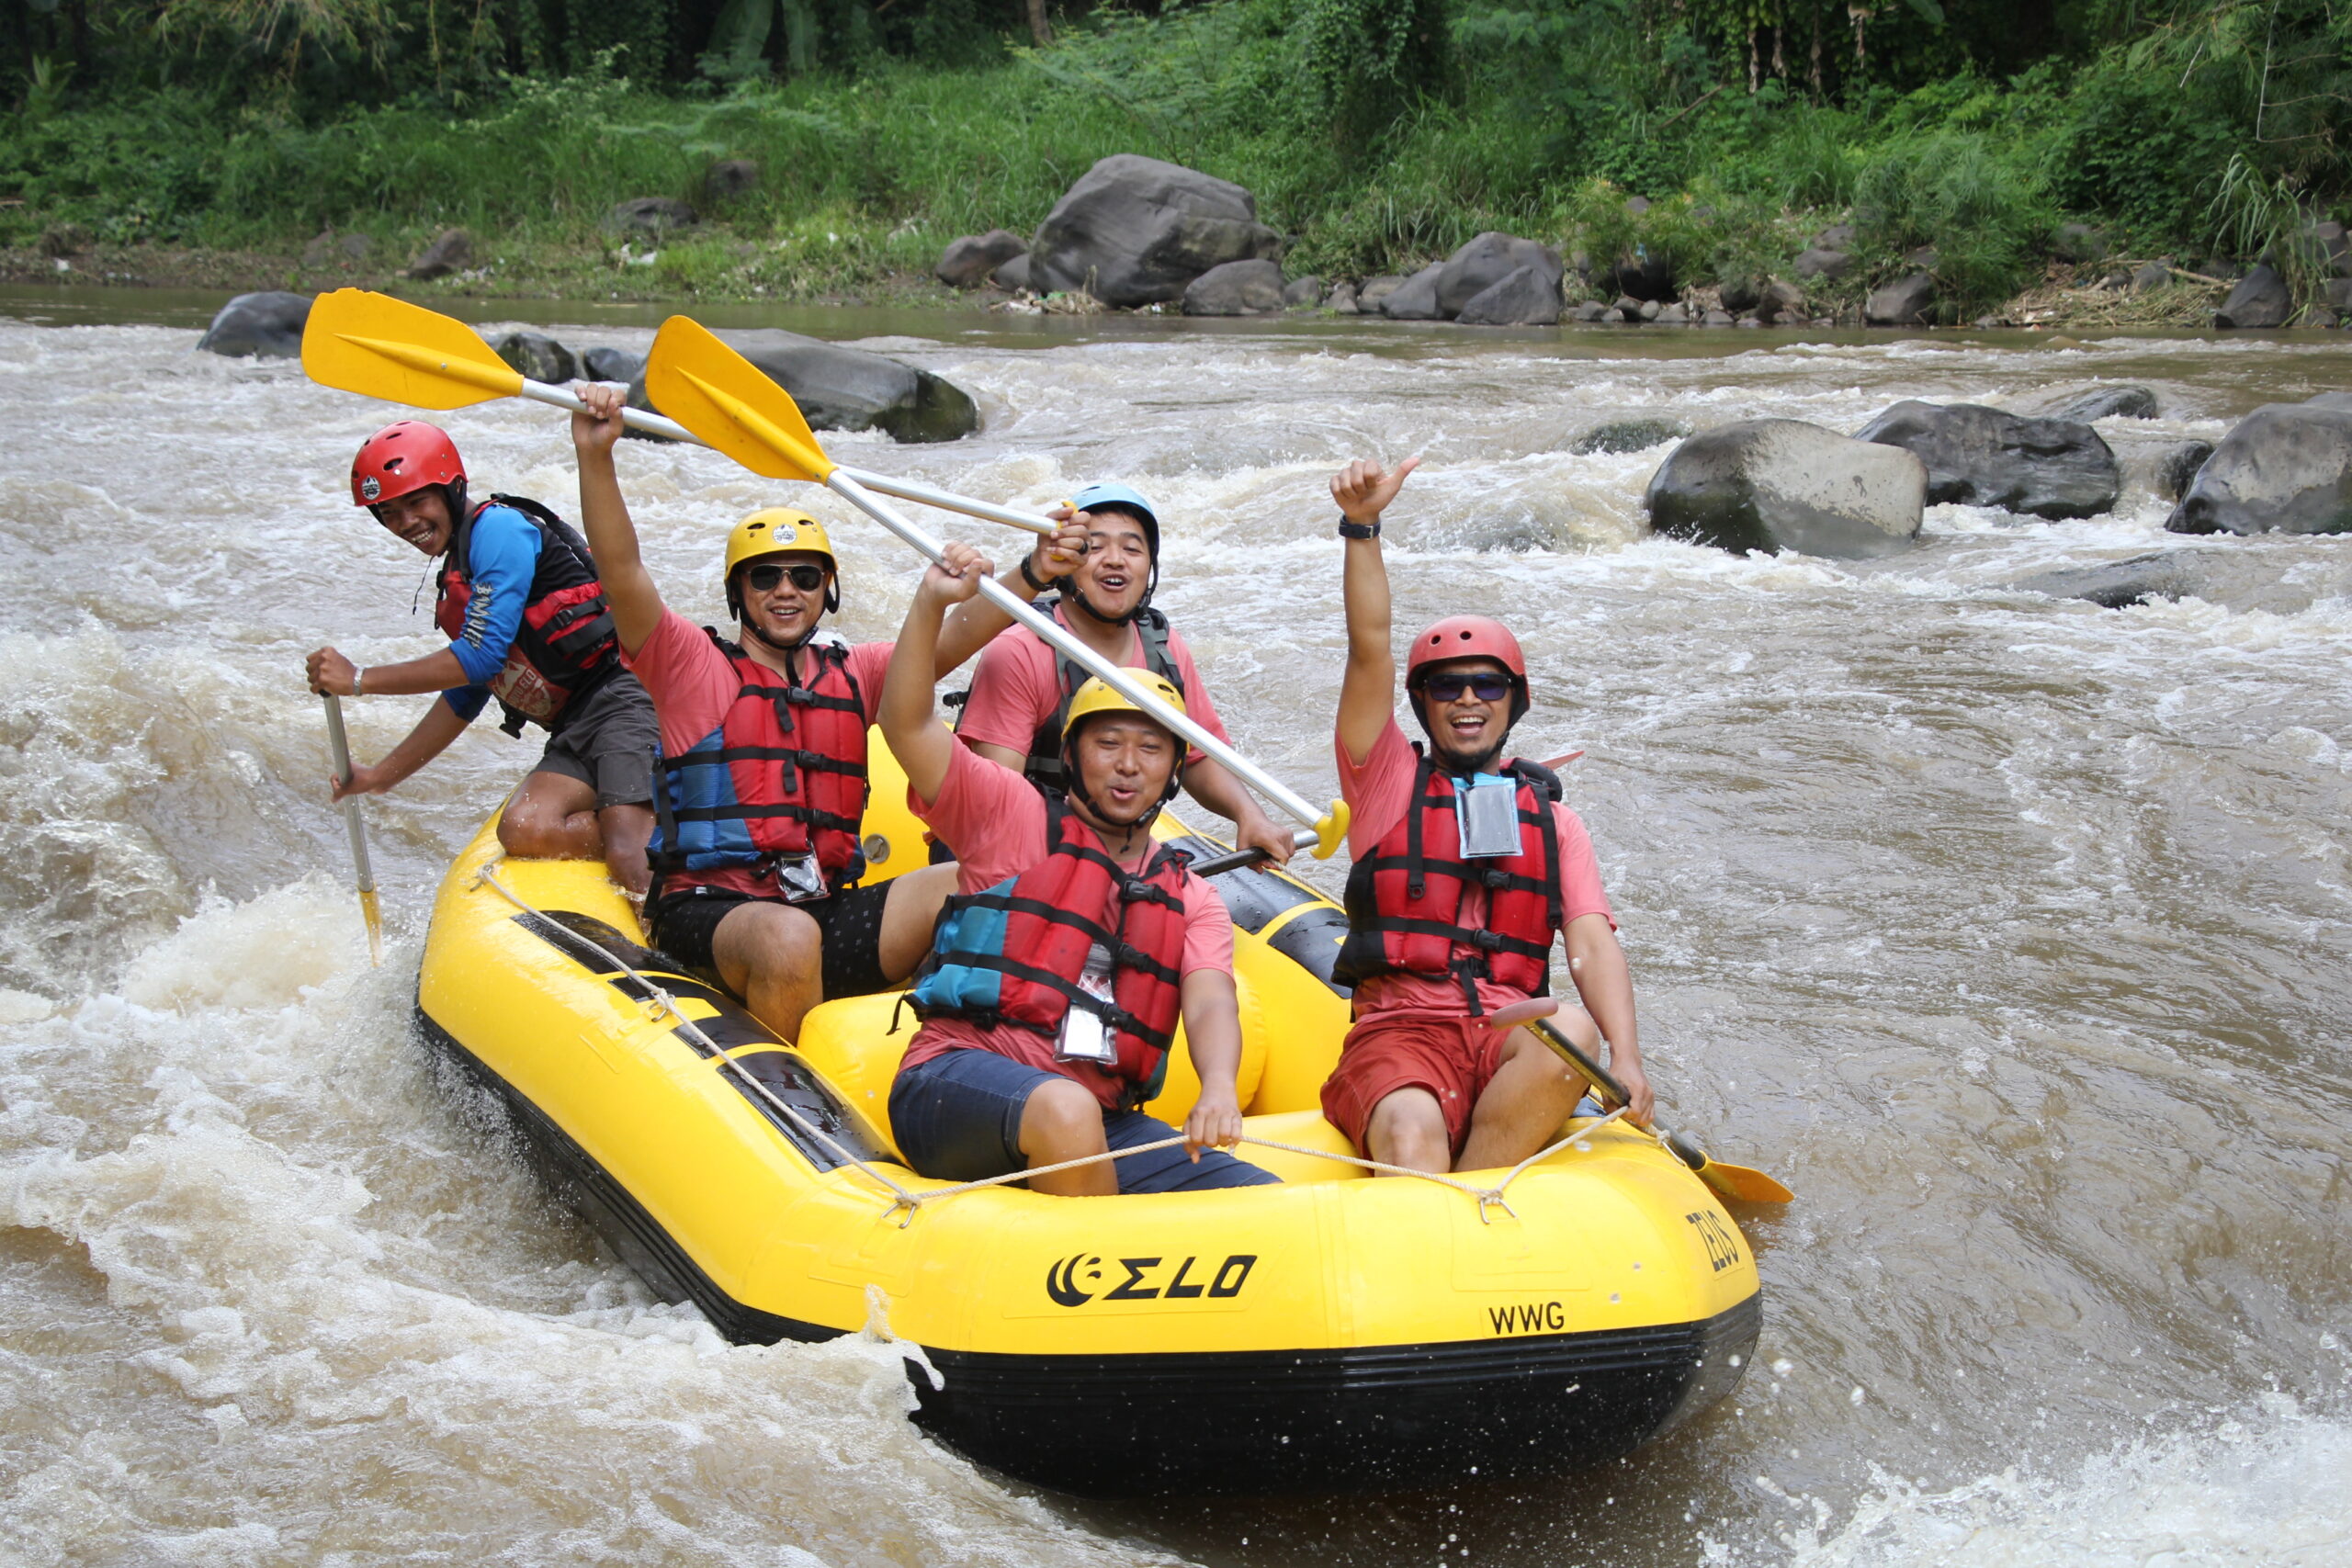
501,558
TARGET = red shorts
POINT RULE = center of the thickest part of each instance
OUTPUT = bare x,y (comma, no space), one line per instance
1453,1058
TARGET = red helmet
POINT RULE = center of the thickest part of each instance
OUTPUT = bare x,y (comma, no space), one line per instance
402,457
1467,636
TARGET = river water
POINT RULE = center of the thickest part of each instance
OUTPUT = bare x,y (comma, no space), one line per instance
2009,931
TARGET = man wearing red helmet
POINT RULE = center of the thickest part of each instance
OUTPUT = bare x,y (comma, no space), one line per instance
1466,867
525,613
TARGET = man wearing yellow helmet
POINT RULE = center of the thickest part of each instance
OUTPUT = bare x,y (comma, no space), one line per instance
762,780
1072,948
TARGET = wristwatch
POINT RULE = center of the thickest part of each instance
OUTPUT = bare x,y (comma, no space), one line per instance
1030,577
1352,530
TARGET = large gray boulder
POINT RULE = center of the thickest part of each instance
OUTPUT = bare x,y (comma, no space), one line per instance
2287,469
1782,484
1488,261
837,387
536,355
1414,300
1303,293
2260,299
264,326
1906,302
1236,289
1134,231
850,389
1984,456
967,261
2178,467
1526,297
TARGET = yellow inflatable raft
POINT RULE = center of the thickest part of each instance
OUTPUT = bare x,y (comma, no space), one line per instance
1334,1332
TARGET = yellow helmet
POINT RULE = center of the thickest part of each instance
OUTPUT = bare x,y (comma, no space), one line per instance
772,530
1097,697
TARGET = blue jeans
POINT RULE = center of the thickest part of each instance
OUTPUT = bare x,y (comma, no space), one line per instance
958,1118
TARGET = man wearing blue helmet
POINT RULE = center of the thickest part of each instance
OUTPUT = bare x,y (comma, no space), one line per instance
1020,692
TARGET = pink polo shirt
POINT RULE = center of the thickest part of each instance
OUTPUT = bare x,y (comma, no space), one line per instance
692,686
996,819
1017,685
1378,795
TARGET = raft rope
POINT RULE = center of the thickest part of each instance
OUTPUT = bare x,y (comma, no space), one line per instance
905,1202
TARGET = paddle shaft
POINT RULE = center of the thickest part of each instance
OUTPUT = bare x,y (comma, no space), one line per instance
1595,1074
340,744
1234,860
904,490
1119,679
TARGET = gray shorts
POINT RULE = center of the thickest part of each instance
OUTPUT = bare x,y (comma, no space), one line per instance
607,740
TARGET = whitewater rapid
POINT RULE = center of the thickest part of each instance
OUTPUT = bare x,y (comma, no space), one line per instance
2009,931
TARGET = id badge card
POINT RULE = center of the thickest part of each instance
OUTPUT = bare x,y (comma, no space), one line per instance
799,878
1487,817
1082,1037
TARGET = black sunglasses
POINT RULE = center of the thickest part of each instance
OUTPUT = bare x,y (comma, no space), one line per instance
1484,684
763,577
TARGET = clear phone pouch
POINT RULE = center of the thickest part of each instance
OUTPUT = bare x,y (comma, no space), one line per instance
1487,816
799,878
1084,1038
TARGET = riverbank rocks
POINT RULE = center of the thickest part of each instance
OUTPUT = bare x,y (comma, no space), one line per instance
1236,289
1527,297
652,217
837,387
2165,574
1903,303
1782,484
1134,231
1414,300
1827,265
1373,295
2260,299
2287,469
1302,293
452,249
967,260
1985,456
1490,260
1782,303
537,356
1013,276
264,326
1342,300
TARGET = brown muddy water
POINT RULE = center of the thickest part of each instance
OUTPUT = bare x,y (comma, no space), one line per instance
2011,932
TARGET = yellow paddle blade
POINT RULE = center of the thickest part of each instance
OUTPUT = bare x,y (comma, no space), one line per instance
1743,1182
382,347
730,403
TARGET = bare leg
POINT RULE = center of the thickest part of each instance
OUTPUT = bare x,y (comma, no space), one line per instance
552,817
1525,1102
1408,1129
626,830
1062,1122
770,955
909,915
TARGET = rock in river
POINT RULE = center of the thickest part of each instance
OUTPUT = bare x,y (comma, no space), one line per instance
2114,401
967,261
1236,289
837,387
1984,456
1134,231
2287,469
536,355
269,326
1782,484
2166,574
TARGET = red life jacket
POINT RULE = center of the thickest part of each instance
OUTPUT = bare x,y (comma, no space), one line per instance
1404,899
782,774
565,644
1014,953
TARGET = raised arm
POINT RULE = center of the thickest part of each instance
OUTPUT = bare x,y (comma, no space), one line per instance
972,623
1368,690
604,517
923,745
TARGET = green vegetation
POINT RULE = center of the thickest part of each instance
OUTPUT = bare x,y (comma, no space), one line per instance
1376,133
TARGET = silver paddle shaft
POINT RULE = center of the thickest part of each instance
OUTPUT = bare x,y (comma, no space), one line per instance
340,746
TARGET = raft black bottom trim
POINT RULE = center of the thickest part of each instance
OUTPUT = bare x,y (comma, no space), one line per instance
1382,1417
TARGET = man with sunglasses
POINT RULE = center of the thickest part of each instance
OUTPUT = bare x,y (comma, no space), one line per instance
1021,688
1466,867
762,781
519,601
